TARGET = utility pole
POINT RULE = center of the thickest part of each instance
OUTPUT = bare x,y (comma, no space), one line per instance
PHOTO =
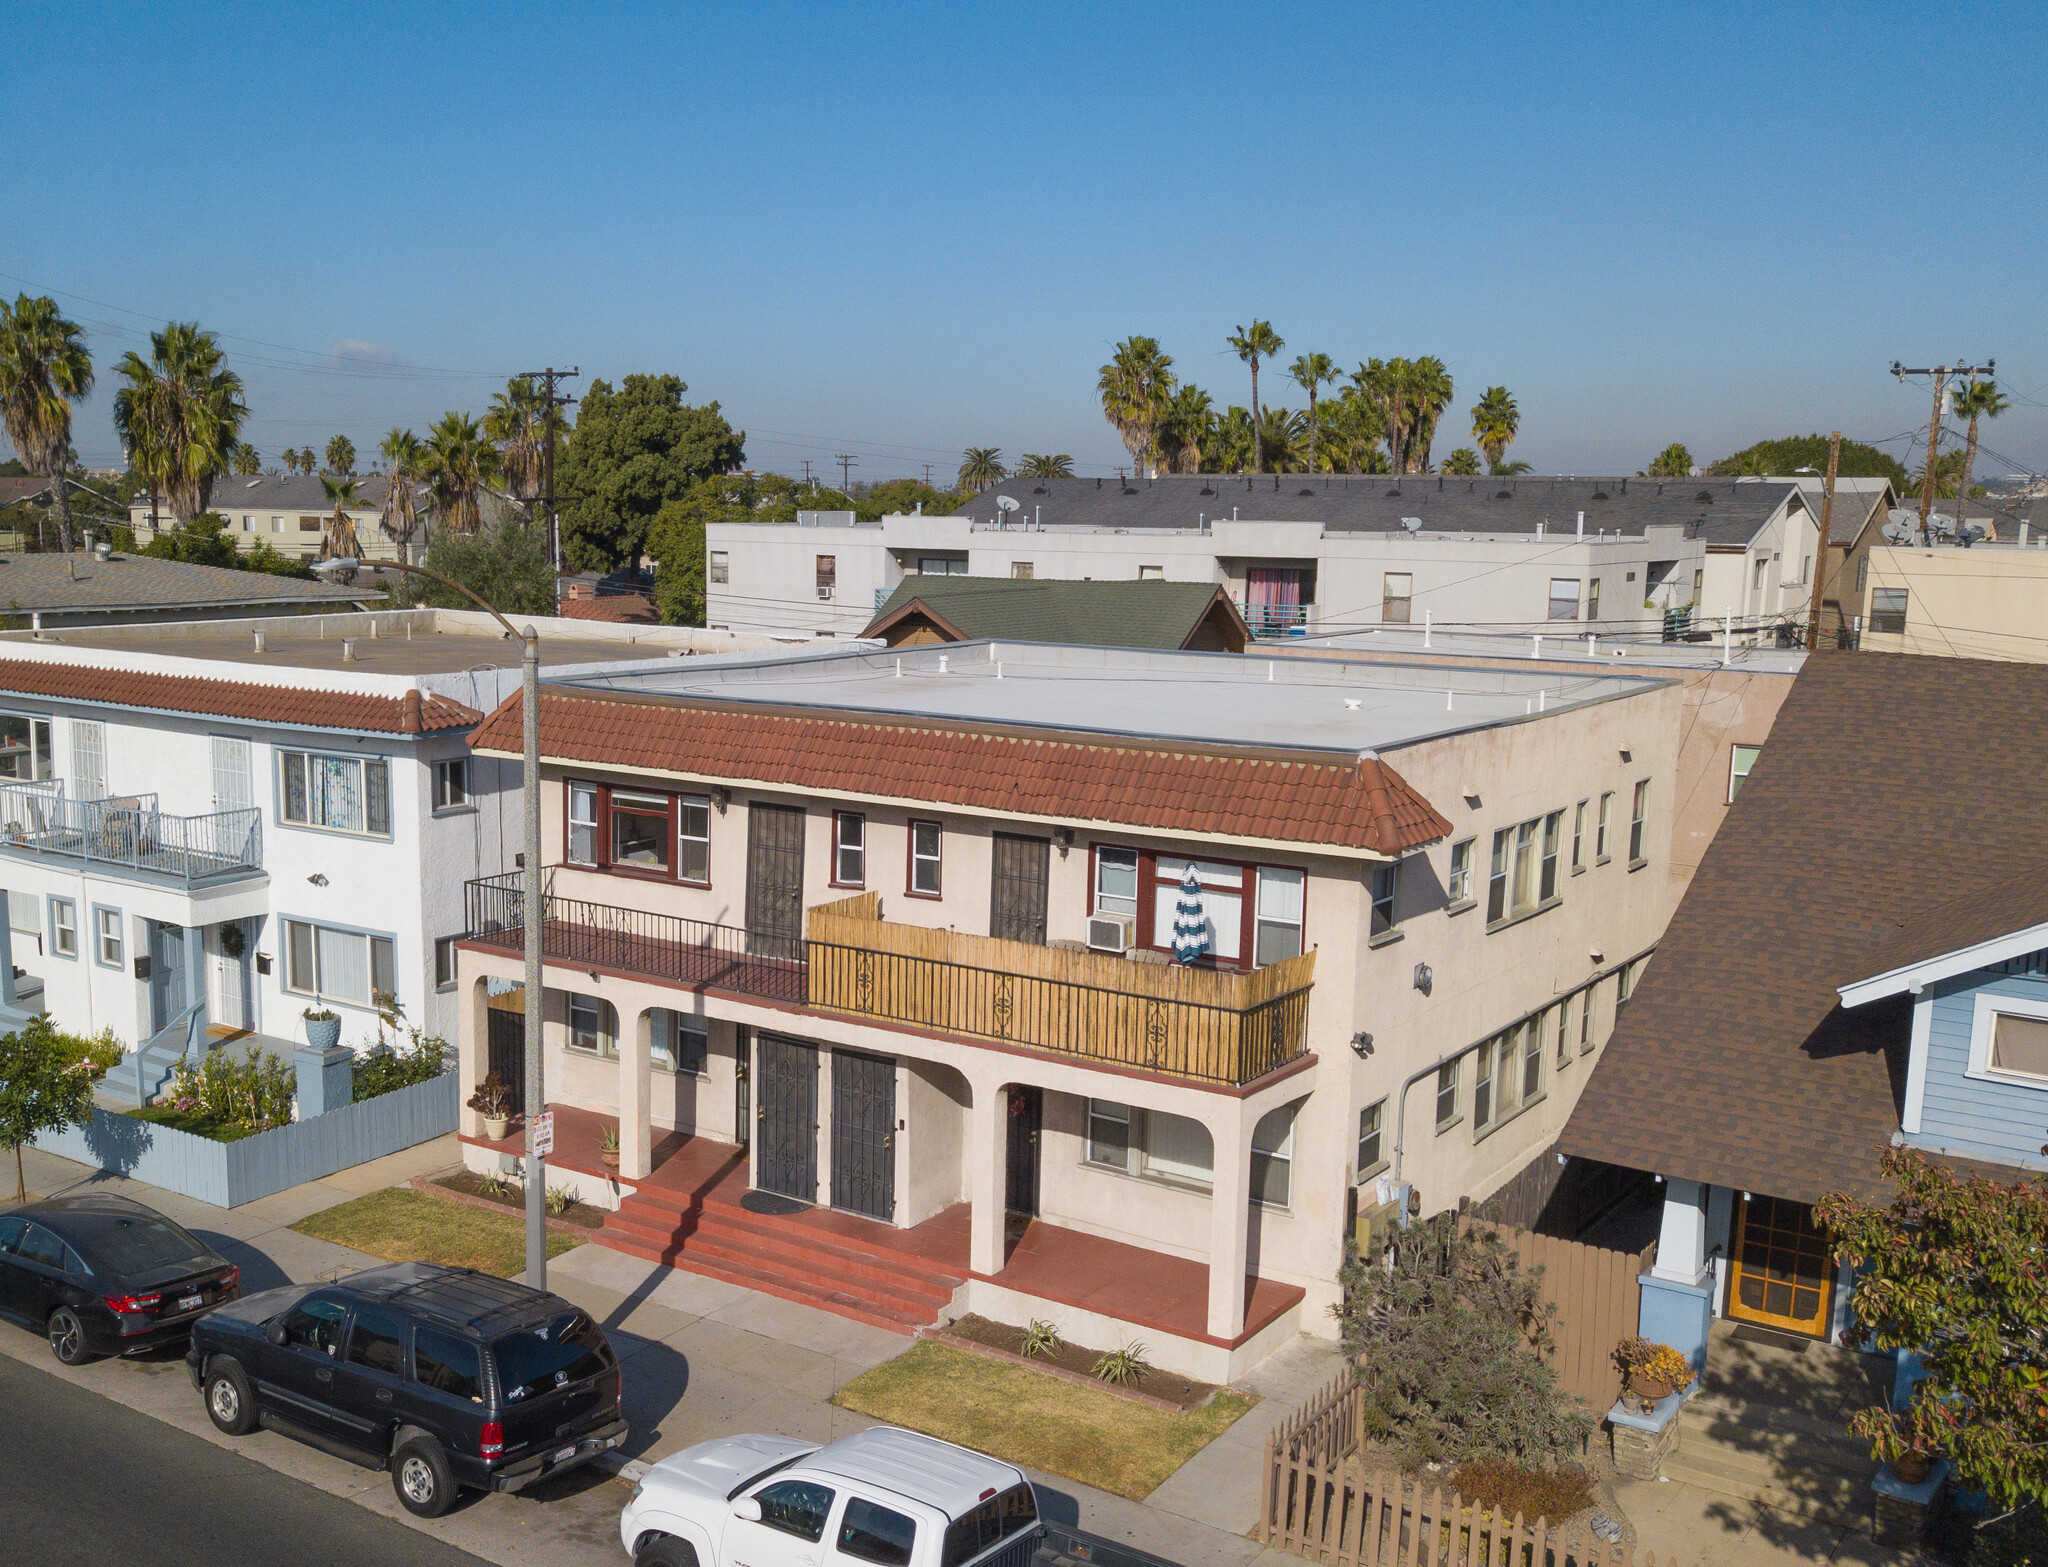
807,473
550,402
1940,373
1820,554
847,462
927,475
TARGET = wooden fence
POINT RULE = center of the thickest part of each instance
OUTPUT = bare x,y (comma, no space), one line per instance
1326,1502
1596,1294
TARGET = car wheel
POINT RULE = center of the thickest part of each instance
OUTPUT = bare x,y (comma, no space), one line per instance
67,1337
229,1403
421,1477
664,1550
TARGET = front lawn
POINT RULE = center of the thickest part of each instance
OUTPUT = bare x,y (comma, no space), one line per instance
192,1121
1042,1422
403,1225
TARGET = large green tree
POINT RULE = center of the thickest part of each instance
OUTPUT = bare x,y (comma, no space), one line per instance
517,425
459,465
1977,400
1312,372
45,1086
635,449
341,455
981,468
1189,431
1251,344
180,416
1788,454
1495,422
504,563
1136,388
404,459
44,369
1674,462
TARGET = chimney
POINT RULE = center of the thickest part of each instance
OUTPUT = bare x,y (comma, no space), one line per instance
1582,525
348,650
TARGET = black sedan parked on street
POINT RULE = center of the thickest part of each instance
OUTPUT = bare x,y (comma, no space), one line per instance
103,1275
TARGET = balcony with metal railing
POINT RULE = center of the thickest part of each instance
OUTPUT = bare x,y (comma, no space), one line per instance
1200,1025
128,833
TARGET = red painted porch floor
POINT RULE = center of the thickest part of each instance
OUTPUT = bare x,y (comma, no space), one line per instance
696,1187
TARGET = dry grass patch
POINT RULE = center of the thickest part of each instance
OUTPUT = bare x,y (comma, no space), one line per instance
1040,1422
402,1225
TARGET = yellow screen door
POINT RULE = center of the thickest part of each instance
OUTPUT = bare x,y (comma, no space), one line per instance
1781,1273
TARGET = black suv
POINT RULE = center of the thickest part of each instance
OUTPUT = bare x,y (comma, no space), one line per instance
449,1376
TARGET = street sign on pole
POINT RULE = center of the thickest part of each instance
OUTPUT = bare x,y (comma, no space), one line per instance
540,1134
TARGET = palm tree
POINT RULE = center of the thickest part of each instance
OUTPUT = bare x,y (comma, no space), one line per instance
338,539
516,424
402,452
341,455
181,415
1429,394
1495,420
1189,430
1136,388
1230,441
1311,373
1283,435
1462,463
44,369
1383,384
1038,465
1980,400
981,467
1674,462
247,460
1251,344
458,463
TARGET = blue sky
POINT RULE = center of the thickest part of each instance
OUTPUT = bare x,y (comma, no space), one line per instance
899,230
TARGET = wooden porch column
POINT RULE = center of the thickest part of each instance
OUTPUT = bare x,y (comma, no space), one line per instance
988,1126
1229,1216
636,1090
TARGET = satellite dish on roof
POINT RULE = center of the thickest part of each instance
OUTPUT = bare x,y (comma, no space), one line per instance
1412,524
1005,503
1903,517
1943,524
1896,532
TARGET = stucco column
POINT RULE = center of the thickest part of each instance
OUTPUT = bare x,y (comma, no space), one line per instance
988,1127
472,1019
636,1089
1682,1239
197,979
1229,1215
6,951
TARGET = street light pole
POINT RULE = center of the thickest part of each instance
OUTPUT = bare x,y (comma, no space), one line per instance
533,909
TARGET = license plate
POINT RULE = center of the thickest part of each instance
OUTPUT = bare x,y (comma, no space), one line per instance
190,1302
567,1452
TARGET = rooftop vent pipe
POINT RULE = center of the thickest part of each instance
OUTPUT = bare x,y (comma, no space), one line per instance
1582,525
259,642
348,650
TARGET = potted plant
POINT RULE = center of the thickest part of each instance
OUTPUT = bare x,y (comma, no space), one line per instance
608,1147
1910,1463
1654,1371
493,1101
323,1027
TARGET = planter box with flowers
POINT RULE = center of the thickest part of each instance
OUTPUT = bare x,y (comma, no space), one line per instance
1644,1420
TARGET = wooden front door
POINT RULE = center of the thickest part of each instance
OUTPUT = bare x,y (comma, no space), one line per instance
1017,888
786,1093
1020,1172
505,1036
775,880
864,1134
1781,1273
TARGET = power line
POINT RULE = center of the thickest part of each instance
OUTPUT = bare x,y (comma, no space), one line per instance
550,402
847,463
1939,374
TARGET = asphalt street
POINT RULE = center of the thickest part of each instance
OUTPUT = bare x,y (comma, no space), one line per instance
84,1479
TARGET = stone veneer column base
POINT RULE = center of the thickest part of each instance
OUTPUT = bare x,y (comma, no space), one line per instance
1642,1442
1900,1514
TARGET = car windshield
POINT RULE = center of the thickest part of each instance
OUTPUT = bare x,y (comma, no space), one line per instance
136,1243
539,1360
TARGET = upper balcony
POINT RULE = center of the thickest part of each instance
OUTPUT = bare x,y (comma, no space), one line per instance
128,833
1199,1024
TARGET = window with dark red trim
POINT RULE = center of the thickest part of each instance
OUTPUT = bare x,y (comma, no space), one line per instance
925,874
638,832
1256,912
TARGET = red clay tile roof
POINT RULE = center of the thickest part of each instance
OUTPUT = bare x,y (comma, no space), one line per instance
633,609
1888,782
266,704
1239,793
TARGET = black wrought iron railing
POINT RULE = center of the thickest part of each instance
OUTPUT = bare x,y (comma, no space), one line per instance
1203,1041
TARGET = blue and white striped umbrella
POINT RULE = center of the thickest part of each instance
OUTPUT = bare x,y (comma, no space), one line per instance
1190,920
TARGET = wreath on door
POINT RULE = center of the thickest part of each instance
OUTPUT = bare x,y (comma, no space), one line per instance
232,941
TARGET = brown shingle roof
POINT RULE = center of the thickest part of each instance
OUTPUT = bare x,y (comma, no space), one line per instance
2018,903
1886,786
634,609
1240,793
409,714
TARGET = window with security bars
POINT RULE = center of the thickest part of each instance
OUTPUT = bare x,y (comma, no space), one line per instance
339,793
88,759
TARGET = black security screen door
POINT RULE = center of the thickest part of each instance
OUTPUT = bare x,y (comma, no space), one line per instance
863,1134
1027,1120
775,880
1017,888
507,1040
786,1089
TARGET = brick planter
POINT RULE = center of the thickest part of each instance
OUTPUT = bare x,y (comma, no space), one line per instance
1642,1442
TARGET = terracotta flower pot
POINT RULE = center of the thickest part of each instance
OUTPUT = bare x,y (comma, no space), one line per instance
1912,1467
497,1127
611,1158
1649,1390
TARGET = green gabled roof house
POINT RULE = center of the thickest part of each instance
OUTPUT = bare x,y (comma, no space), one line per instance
1195,617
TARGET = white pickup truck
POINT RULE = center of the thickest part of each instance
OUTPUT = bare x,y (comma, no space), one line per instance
880,1498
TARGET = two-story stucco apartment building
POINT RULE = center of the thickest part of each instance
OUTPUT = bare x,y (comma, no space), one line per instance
868,959
248,818
1310,554
289,512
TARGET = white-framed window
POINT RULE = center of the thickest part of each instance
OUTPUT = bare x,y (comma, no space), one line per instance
640,828
1579,836
927,855
1600,828
1593,599
1532,1056
827,575
1397,597
1273,1157
693,838
1023,570
1482,1087
1638,820
1278,913
1762,566
1116,882
333,964
1524,870
849,849
88,759
582,824
1151,573
1446,1094
349,794
64,927
444,962
1223,889
1589,1003
451,784
1459,886
1564,598
1546,882
1372,1128
720,568
1564,1032
1150,1143
1386,883
1109,1134
2009,1039
108,944
593,1025
24,746
679,1042
1741,759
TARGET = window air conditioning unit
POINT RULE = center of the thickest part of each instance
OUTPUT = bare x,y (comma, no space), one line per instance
824,592
1109,933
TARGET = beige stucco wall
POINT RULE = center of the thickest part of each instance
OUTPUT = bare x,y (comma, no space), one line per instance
1989,601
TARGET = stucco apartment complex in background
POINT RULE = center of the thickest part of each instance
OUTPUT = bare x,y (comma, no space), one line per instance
287,511
1307,554
259,816
887,932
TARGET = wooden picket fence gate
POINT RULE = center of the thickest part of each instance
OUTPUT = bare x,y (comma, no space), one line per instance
1325,1502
